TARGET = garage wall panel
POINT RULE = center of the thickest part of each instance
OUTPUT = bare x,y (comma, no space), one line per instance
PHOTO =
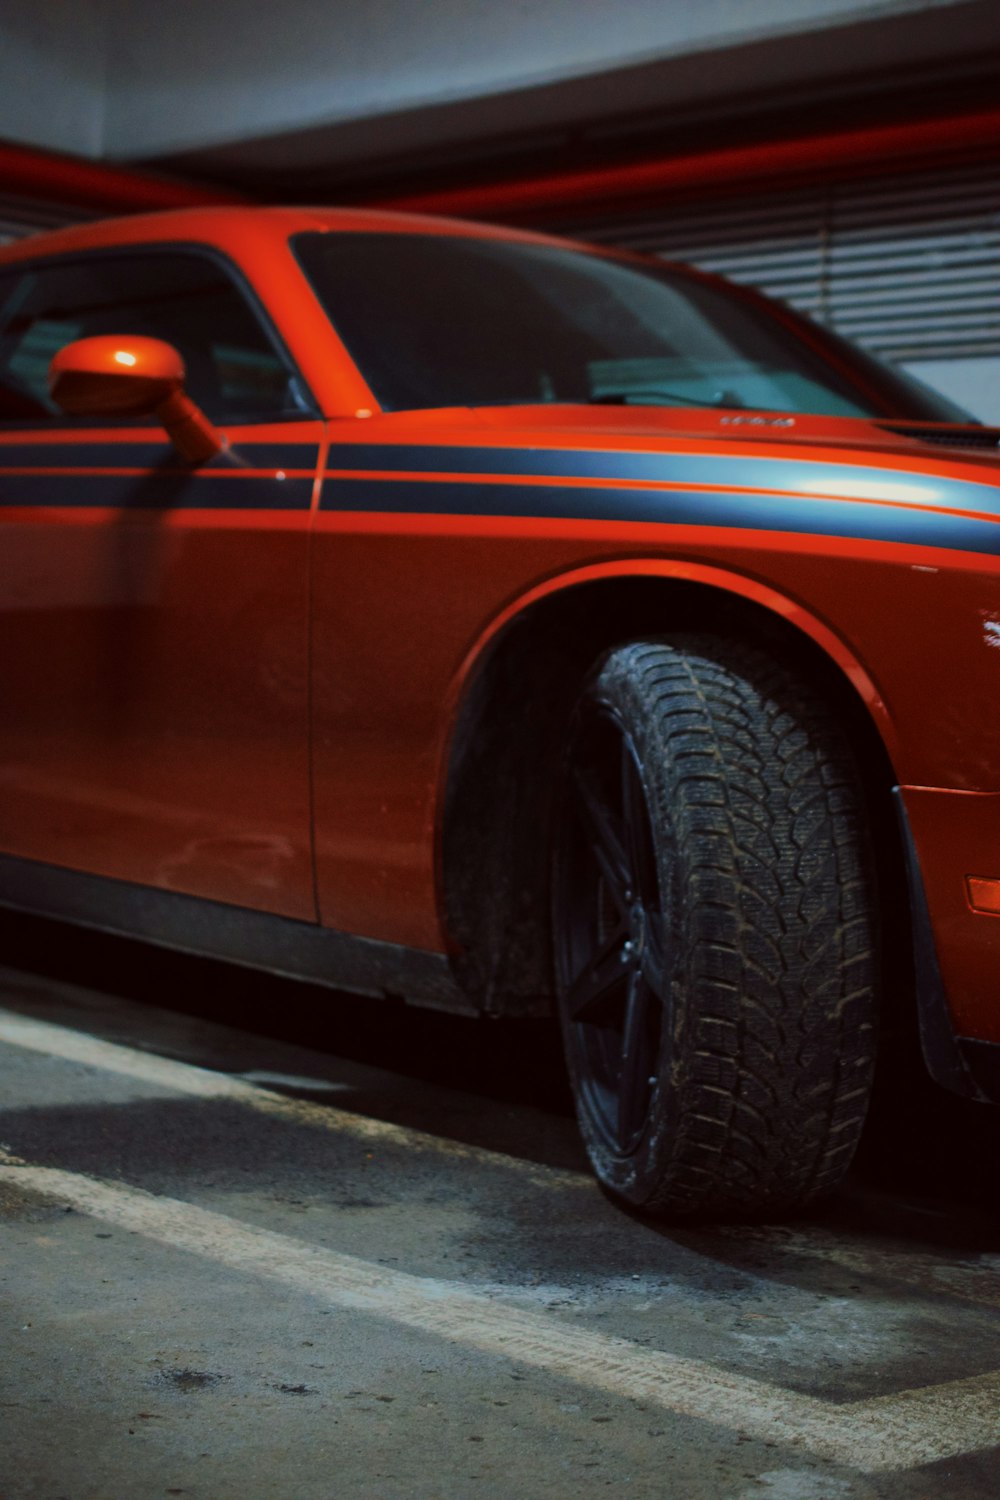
54,73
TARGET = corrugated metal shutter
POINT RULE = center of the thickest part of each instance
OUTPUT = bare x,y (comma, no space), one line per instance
908,266
21,216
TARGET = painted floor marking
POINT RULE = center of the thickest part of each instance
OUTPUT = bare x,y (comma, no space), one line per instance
892,1432
203,1083
978,1283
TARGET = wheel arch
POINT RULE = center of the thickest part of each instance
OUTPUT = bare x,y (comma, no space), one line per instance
513,698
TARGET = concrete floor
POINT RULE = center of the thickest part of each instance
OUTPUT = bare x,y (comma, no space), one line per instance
267,1243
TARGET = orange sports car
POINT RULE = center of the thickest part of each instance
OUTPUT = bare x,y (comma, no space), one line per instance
458,613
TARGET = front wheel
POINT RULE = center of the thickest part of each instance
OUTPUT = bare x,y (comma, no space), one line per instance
714,931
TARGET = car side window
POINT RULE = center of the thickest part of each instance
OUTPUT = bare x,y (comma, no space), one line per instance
235,371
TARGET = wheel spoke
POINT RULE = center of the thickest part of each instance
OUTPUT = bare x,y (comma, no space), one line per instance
613,1003
591,995
651,964
637,1062
607,845
635,818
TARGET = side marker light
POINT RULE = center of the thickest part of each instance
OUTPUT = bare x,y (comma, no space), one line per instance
984,894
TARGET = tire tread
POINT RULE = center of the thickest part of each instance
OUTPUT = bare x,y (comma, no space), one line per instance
754,787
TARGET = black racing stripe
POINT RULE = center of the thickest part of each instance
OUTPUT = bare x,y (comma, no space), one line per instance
393,458
276,455
87,455
397,458
153,456
813,517
157,491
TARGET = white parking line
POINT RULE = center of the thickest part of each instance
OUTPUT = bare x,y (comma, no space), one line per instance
203,1083
977,1282
893,1432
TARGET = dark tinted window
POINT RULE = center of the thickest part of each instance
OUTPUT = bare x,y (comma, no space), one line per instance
433,320
234,371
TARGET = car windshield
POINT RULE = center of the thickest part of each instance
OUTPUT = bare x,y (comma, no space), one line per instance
439,321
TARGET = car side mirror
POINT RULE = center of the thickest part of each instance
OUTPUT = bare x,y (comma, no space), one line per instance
132,376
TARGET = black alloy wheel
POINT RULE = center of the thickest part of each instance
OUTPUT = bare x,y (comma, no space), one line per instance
612,930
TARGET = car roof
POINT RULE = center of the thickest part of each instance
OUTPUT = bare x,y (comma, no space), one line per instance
228,227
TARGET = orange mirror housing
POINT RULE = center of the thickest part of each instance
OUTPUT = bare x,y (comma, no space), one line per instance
112,376
131,376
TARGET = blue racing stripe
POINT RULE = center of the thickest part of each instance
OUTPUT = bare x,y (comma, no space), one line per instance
794,474
815,517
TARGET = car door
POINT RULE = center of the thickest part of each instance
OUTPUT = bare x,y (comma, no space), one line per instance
154,615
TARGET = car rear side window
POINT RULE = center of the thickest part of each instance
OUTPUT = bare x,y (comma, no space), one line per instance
235,371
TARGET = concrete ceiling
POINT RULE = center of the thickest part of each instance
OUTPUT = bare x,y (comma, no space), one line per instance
316,96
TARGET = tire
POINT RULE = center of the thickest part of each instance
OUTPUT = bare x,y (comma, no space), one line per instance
714,931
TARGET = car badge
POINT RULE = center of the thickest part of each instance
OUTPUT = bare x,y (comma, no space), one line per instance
757,421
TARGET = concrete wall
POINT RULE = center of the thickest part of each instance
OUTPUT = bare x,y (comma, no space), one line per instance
189,74
973,383
53,69
139,78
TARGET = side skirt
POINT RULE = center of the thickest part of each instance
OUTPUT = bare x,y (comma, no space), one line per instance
211,929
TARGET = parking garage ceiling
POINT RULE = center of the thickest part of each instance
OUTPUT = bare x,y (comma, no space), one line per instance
330,100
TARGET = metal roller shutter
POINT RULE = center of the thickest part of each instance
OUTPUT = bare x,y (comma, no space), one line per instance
22,216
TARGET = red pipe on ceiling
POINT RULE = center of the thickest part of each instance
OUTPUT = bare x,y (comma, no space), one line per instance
866,150
72,180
